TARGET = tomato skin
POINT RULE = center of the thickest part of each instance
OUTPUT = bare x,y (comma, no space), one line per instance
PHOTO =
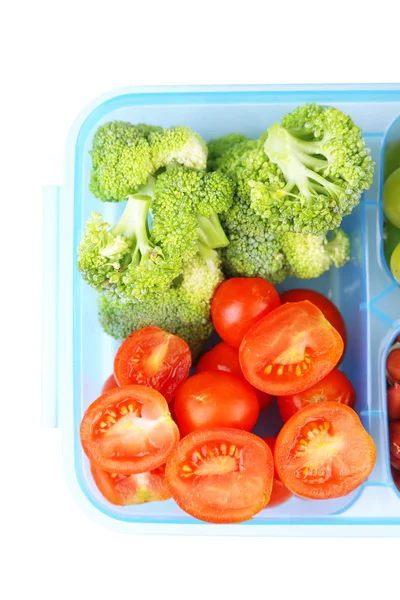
240,302
326,306
109,384
124,490
155,358
393,366
290,349
215,399
128,430
396,478
312,473
335,387
394,438
280,493
226,358
394,462
220,474
393,400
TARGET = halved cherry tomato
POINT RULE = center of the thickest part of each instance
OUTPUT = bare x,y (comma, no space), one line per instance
328,309
132,489
155,358
128,430
393,366
394,438
221,475
393,400
396,478
323,451
280,493
215,399
335,387
395,462
226,358
109,384
240,302
290,349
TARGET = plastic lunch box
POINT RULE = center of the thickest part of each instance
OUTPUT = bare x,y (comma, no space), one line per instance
78,356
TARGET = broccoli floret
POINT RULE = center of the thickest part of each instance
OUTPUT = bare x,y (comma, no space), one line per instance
186,210
178,145
311,255
123,259
325,166
220,146
183,309
253,251
124,156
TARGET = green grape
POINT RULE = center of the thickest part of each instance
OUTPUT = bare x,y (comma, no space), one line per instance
391,239
392,158
395,263
391,198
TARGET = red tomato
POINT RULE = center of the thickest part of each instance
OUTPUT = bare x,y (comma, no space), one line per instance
221,475
396,478
128,430
323,451
335,387
395,462
155,358
394,438
109,384
240,302
328,309
393,400
290,349
280,493
132,489
393,366
226,358
215,399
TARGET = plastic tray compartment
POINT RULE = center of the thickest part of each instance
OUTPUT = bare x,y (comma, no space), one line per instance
78,356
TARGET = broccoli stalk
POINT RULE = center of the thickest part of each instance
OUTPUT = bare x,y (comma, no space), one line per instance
210,231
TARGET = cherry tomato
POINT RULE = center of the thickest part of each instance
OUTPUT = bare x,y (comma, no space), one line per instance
226,358
290,349
240,302
215,399
221,475
393,400
335,387
132,489
155,358
394,438
323,451
280,493
128,430
393,366
109,384
328,309
395,462
396,478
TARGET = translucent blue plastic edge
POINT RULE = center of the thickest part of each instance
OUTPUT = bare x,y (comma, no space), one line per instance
70,423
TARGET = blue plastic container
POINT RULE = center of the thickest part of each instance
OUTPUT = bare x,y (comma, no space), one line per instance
78,356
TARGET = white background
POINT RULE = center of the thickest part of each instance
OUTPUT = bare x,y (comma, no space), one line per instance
57,56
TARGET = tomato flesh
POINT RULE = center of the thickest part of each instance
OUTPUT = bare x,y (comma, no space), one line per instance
128,430
215,399
290,349
280,492
154,358
323,451
226,358
221,475
393,366
139,488
240,302
328,309
394,437
335,387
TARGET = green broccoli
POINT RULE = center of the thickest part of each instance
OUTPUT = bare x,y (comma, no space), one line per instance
324,165
220,146
178,146
186,210
183,309
311,255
